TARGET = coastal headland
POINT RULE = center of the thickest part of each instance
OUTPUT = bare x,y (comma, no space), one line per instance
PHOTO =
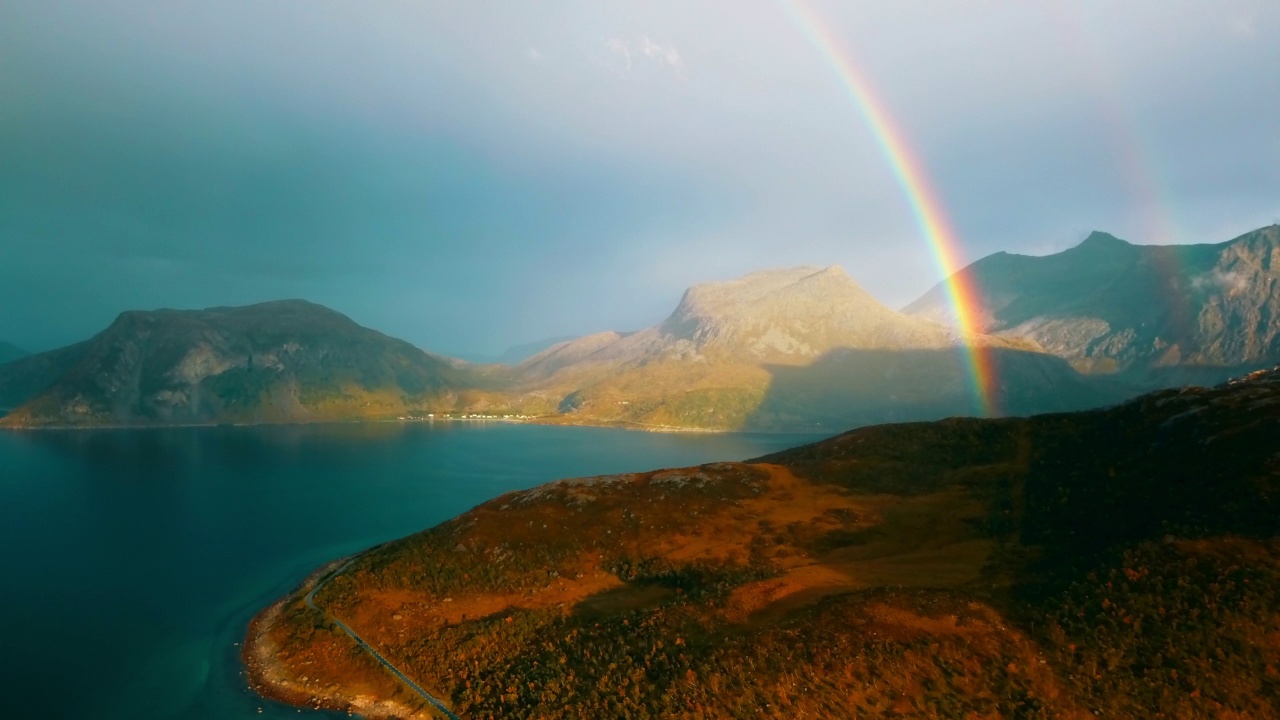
1011,567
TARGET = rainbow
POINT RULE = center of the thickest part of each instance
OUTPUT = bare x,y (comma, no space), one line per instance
909,172
1137,163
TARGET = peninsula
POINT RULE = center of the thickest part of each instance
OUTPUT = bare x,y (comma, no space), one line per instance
1120,563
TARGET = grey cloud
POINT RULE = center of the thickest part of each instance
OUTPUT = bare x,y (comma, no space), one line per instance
465,174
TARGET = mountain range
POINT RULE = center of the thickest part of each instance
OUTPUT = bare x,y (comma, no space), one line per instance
1118,563
1108,306
791,349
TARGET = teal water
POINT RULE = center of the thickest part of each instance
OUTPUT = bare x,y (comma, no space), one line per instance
134,559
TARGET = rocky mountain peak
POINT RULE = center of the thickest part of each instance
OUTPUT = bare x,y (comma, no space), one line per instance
767,298
800,312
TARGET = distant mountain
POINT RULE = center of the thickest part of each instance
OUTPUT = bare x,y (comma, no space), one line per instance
1120,563
1172,313
568,353
287,361
513,355
517,354
792,349
9,353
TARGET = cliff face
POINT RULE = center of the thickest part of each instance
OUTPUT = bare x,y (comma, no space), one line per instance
285,361
1109,306
800,348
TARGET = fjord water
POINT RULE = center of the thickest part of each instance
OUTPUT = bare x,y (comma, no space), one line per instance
135,558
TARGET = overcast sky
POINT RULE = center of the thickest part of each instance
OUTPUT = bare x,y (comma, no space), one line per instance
470,175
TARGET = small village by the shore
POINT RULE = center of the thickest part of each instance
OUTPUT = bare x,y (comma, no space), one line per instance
444,417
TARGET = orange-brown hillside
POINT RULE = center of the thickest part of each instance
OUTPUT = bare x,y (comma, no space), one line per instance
1118,563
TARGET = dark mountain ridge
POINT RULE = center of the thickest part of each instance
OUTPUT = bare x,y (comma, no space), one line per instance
284,361
1109,306
27,377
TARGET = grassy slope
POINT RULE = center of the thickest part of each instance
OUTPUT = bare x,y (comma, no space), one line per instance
1116,563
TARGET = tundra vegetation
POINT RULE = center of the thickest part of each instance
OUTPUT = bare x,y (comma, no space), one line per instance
1120,563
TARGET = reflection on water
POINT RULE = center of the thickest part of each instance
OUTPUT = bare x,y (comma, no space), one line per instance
137,557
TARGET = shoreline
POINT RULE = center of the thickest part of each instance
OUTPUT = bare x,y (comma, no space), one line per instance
553,421
274,680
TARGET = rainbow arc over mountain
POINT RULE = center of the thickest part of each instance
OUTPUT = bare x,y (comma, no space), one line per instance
925,206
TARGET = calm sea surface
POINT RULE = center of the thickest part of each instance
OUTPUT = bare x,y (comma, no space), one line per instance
134,559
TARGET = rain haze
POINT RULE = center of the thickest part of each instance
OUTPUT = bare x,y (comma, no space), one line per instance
473,175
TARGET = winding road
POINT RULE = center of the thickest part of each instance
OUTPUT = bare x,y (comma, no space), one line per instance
310,600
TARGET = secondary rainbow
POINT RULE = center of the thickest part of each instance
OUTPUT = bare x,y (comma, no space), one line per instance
1136,160
909,173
